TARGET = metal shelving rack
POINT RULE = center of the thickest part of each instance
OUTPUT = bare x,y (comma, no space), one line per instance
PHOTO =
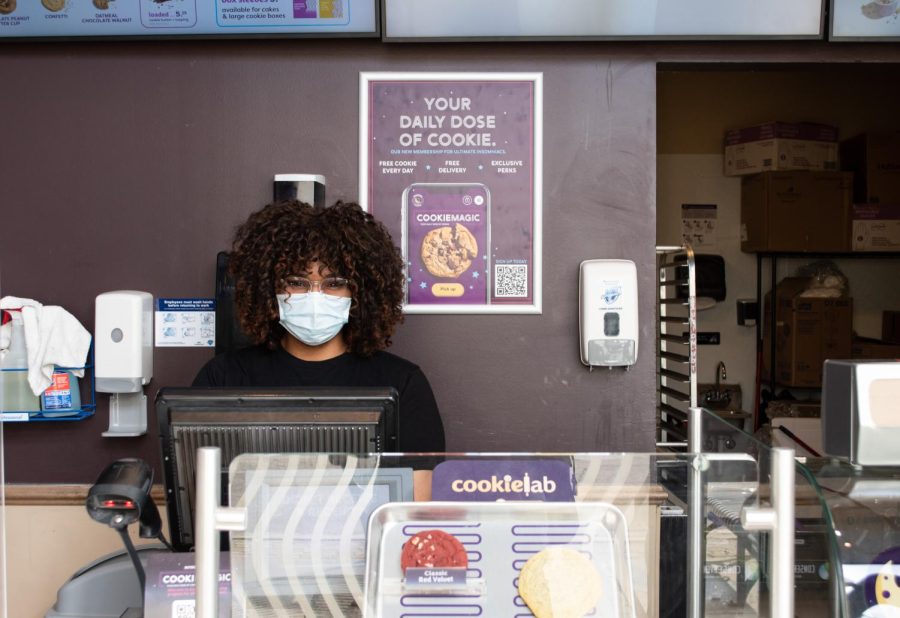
676,345
769,315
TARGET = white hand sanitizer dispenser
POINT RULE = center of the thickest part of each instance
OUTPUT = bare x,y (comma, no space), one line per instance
123,336
608,313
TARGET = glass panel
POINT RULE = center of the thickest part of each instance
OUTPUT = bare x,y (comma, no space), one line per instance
815,586
723,433
862,519
332,534
814,552
3,593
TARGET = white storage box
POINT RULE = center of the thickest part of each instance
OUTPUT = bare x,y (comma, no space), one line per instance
781,146
875,227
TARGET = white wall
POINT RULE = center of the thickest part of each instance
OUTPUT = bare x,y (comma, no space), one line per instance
45,545
698,179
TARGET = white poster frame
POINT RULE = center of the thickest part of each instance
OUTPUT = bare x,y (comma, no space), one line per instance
365,170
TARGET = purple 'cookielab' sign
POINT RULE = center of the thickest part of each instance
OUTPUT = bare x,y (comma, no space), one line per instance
485,480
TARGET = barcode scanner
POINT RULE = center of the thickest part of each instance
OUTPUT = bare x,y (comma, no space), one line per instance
120,497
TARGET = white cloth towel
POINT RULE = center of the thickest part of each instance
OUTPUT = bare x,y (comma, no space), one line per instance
53,337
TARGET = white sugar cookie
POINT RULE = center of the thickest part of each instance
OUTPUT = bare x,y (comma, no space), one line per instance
558,582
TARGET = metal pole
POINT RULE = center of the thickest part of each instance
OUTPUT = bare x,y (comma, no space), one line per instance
207,536
778,520
781,563
695,514
757,395
211,519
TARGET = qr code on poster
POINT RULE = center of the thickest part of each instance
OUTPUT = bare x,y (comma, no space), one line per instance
183,608
510,280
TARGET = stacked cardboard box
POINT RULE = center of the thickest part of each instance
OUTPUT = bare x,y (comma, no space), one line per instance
874,159
890,326
781,146
808,330
796,211
875,227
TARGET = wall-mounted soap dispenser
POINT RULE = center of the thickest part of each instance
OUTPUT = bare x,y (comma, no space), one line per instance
123,332
608,313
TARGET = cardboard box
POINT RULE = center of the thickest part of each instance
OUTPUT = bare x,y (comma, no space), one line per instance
873,349
796,211
874,159
890,326
875,227
807,331
781,146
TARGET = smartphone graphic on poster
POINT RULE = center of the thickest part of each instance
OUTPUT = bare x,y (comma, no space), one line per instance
446,243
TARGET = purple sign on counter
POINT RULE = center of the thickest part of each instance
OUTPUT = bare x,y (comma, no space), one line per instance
435,577
450,163
486,480
171,590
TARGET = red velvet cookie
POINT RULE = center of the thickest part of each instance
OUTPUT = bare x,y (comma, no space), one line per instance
433,548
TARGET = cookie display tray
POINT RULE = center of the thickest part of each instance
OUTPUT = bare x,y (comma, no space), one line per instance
499,538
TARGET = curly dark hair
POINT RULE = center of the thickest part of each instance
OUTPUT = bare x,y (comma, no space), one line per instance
283,238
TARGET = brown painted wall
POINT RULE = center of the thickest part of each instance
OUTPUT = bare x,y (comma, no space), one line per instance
127,165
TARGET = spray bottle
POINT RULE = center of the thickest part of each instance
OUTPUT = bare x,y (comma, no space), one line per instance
15,392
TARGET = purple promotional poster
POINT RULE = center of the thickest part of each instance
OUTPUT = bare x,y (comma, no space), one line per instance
450,163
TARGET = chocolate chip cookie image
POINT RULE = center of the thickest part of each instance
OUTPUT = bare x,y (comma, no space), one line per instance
448,251
7,6
54,5
103,5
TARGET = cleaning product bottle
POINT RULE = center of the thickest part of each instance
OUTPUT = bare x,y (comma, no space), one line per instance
63,396
16,392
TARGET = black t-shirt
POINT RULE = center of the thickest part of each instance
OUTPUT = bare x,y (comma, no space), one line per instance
421,430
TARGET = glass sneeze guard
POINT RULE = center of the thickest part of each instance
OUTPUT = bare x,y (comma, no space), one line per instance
325,534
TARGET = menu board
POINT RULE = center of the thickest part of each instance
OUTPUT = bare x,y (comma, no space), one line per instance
606,19
100,18
858,20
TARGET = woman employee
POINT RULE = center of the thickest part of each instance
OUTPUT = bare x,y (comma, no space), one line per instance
320,290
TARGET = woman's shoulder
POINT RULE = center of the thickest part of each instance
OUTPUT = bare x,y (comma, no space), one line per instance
391,362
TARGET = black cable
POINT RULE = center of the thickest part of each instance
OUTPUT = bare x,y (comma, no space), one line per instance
132,553
162,539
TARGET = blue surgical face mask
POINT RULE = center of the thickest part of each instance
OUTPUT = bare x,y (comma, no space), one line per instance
313,318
